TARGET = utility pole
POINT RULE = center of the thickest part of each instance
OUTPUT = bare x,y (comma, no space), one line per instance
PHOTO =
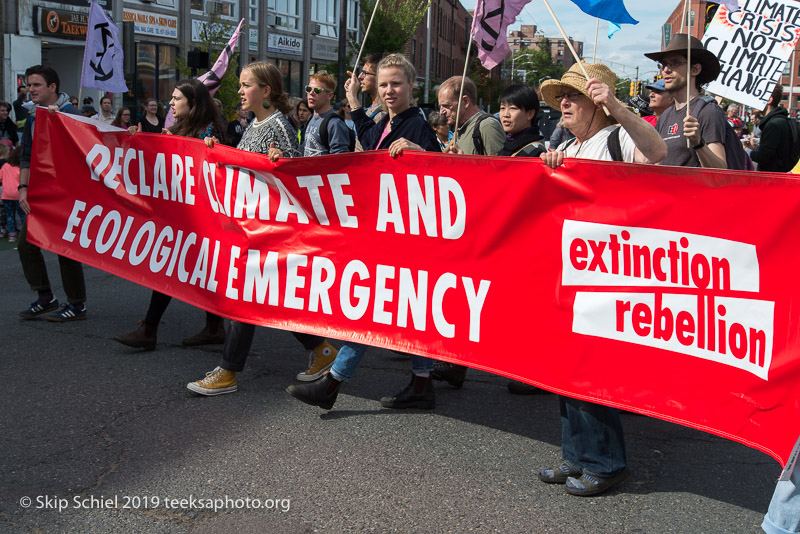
426,97
342,49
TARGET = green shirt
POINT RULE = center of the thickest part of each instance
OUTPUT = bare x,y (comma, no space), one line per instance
491,131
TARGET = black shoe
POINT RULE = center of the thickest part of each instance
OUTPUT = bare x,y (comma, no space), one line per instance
449,372
322,392
417,394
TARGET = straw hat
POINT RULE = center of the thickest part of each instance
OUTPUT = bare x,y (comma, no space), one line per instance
679,44
574,79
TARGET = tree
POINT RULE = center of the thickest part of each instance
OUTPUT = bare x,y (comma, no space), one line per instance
213,38
537,63
394,24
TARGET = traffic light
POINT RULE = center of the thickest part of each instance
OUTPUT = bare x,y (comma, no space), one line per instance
638,87
633,88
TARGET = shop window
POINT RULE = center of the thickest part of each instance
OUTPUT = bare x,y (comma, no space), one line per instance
155,75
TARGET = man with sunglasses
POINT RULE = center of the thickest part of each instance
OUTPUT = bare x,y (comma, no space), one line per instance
336,138
706,126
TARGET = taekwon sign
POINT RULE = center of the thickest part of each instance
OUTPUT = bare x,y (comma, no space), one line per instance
752,45
103,55
634,286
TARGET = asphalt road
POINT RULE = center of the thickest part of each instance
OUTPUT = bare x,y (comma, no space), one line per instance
84,417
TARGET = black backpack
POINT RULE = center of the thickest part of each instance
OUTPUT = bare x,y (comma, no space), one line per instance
323,133
477,140
735,156
794,154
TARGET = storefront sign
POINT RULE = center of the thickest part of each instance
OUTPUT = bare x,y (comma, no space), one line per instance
253,39
154,24
285,44
60,23
108,5
324,49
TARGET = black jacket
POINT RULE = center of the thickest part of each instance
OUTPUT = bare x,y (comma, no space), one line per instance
409,125
774,151
522,147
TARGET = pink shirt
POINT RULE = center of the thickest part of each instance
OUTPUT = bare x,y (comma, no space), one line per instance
9,178
386,131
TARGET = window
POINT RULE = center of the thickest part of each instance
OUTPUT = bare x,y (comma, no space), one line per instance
353,7
154,77
326,13
288,14
226,9
253,13
291,72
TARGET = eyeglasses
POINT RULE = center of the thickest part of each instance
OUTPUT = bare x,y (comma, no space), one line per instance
572,97
672,65
366,73
316,90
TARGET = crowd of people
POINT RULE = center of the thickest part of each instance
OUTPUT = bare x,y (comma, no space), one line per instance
380,113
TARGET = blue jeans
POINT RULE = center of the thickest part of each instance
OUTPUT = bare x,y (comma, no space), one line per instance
350,356
12,209
591,437
783,516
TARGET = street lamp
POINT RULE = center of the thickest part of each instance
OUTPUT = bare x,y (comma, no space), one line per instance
513,59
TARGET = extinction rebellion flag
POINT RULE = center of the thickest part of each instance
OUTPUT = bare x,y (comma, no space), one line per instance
644,287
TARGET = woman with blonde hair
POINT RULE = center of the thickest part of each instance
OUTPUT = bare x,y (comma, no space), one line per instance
261,91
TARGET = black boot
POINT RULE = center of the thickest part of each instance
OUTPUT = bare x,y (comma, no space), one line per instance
322,392
451,373
417,394
212,334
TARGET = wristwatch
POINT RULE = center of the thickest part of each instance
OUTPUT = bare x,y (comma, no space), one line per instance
701,145
22,186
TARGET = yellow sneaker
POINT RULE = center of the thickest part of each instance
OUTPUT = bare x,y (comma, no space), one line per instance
320,359
216,382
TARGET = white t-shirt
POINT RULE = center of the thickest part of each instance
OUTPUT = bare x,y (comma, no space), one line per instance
596,147
106,120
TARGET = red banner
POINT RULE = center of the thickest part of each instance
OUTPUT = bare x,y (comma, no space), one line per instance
666,291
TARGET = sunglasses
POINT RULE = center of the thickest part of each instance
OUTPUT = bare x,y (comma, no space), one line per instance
316,90
572,97
672,65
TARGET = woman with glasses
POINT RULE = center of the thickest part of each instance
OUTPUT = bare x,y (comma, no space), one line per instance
196,116
403,128
152,122
123,118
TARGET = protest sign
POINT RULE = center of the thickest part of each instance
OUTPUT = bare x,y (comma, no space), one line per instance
752,45
636,286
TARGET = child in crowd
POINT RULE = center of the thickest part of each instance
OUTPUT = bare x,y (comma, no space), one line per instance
9,179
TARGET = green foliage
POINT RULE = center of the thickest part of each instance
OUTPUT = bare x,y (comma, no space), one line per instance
214,37
489,87
394,24
537,63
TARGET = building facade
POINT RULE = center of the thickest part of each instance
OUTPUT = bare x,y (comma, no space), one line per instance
298,36
530,37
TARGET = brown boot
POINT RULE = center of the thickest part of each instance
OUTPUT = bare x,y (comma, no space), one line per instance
212,334
143,337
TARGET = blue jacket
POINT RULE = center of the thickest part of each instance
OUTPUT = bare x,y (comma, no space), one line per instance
409,125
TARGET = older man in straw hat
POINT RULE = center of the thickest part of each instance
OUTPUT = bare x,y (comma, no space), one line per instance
593,446
705,127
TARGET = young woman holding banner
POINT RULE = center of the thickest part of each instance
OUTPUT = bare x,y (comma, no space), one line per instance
271,133
196,116
404,128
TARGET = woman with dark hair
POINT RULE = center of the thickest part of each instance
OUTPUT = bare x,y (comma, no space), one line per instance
303,115
270,133
439,124
519,105
196,116
123,118
8,128
153,121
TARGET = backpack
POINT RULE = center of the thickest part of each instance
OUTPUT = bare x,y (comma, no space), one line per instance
477,141
794,154
323,133
735,156
612,143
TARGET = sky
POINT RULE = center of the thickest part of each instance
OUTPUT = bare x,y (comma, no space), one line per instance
624,51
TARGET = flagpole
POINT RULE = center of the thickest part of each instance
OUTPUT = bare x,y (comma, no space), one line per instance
569,45
366,33
596,31
461,90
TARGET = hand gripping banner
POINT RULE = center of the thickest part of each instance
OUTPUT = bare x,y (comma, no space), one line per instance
667,291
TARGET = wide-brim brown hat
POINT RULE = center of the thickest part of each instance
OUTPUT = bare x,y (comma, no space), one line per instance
575,79
679,44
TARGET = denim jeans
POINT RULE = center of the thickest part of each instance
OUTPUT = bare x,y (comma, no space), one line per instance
591,437
783,516
12,210
350,356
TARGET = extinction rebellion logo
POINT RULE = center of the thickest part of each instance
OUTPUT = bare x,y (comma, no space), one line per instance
680,306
